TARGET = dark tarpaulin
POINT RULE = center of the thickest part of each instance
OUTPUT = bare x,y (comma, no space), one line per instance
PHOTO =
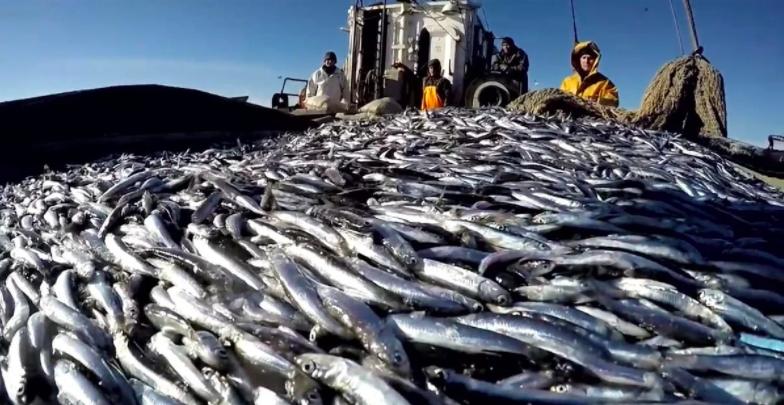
77,126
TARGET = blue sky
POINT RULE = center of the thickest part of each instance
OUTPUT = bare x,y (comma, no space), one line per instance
241,47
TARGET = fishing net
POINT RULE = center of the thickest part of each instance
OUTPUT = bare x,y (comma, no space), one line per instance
685,96
556,102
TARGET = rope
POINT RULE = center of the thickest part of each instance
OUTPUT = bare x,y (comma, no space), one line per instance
487,22
574,23
677,28
423,9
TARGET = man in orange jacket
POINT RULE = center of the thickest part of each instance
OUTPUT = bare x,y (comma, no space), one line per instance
587,82
436,88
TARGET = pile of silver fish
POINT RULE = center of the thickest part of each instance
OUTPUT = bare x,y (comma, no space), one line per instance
463,256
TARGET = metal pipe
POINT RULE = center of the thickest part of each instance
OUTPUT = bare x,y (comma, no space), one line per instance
694,40
574,23
382,60
352,70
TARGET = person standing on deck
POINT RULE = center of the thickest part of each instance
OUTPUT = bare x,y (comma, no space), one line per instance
436,89
329,80
513,62
587,82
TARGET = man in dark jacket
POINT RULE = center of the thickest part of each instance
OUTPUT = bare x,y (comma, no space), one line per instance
513,62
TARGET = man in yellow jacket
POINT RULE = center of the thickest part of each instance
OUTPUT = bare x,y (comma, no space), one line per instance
587,82
436,88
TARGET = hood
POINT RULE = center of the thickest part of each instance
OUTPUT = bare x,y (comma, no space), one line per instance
511,42
581,46
436,65
512,46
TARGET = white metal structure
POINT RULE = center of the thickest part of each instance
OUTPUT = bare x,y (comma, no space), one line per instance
413,33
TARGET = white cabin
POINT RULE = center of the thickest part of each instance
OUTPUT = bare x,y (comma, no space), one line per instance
450,31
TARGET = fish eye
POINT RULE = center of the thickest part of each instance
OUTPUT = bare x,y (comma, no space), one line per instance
309,366
314,396
503,300
397,358
440,373
478,307
412,260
